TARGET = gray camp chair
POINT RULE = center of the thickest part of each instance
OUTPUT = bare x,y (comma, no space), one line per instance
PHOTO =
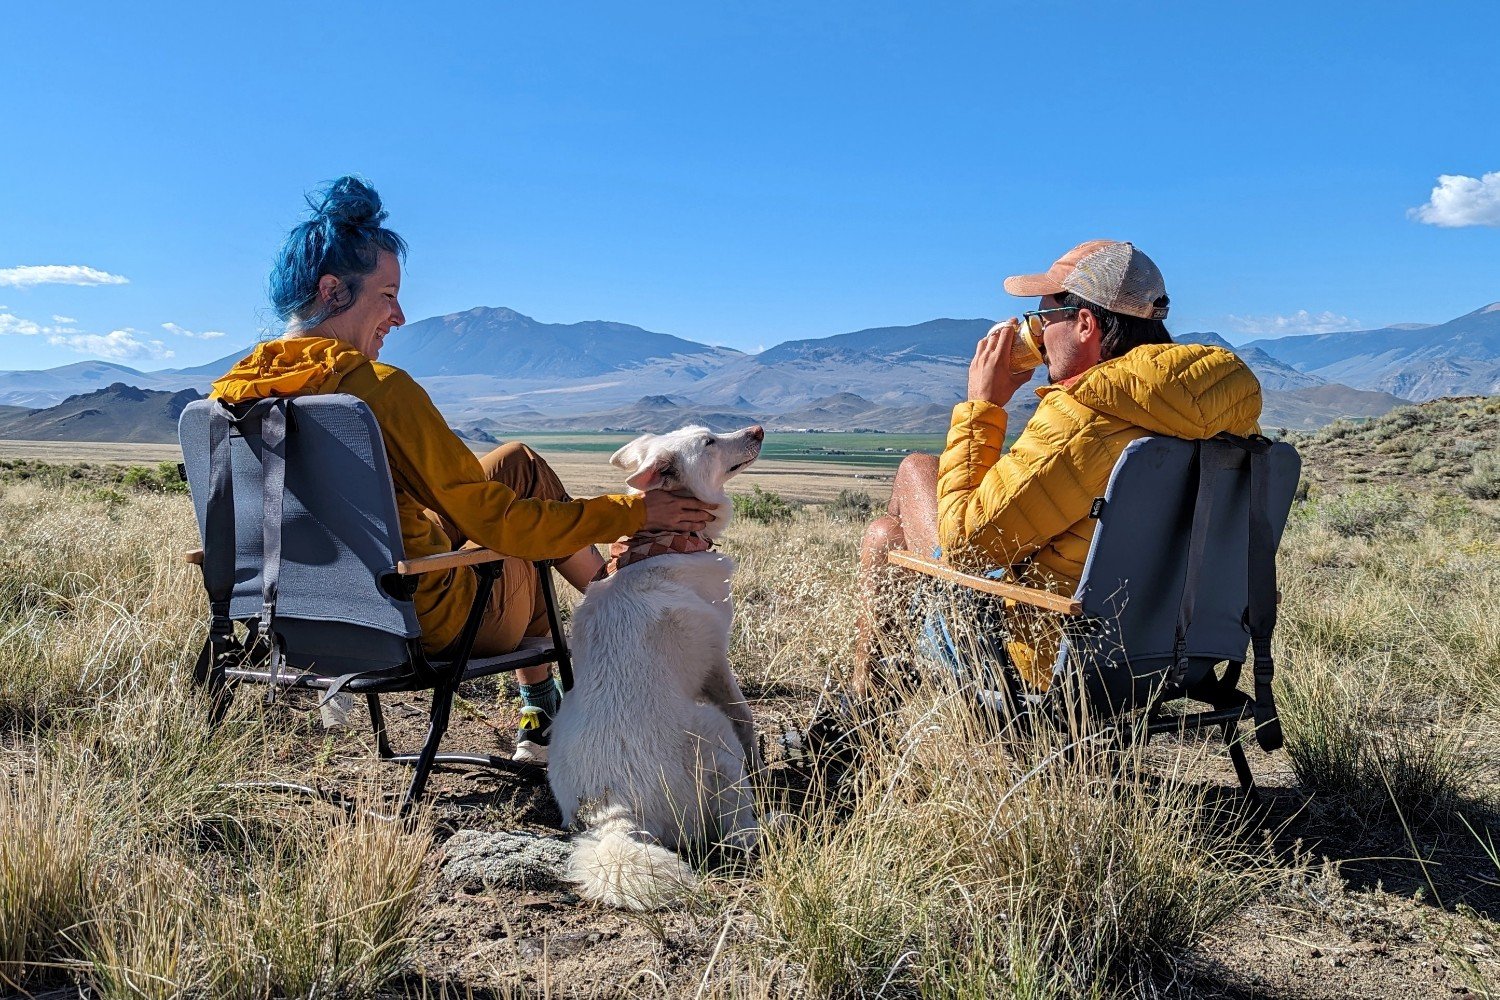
1179,580
307,580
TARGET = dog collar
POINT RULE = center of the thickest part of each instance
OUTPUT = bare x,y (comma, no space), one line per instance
648,544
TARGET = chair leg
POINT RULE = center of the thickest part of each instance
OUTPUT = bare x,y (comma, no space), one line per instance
377,724
554,622
442,705
209,674
1241,764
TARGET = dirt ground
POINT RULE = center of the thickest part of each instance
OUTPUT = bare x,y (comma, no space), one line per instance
1386,927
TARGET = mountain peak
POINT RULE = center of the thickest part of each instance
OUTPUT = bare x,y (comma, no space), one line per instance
504,314
1492,307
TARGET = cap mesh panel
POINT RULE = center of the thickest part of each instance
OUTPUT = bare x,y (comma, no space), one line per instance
1121,279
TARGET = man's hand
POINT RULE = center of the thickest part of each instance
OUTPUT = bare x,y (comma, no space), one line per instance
990,377
673,512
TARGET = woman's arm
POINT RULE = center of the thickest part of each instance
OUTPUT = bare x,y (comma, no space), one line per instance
430,462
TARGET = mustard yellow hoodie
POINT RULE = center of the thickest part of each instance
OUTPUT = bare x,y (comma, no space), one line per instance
431,469
1029,508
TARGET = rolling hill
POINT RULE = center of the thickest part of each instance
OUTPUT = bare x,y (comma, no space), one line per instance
118,412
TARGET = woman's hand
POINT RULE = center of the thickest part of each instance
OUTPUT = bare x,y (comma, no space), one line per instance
672,512
990,377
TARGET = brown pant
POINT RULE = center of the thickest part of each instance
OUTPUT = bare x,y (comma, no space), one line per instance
515,609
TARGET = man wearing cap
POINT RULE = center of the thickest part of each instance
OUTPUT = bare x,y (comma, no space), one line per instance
1114,376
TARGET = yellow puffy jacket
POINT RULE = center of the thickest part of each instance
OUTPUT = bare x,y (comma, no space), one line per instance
1028,509
431,469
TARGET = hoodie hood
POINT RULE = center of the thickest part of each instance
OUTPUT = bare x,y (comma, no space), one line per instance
289,367
1179,390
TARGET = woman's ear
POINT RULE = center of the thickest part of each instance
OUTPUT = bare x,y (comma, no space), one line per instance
328,289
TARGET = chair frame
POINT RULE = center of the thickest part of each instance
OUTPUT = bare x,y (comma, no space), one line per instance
1225,719
221,675
1229,706
228,660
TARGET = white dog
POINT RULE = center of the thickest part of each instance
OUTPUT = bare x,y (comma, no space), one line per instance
654,746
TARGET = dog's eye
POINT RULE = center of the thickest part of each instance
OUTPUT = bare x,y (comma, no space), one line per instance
708,441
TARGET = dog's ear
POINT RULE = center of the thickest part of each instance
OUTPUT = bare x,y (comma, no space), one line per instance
650,476
635,458
630,456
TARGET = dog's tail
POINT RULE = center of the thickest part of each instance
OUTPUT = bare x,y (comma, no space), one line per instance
616,863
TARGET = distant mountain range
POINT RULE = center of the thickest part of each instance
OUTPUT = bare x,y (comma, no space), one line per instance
1458,358
494,371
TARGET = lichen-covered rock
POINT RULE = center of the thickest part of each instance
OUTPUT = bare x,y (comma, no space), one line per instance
512,859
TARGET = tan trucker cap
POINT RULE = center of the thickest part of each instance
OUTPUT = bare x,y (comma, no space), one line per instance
1107,273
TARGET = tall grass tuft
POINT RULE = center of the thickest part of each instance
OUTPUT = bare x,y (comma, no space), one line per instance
48,878
976,865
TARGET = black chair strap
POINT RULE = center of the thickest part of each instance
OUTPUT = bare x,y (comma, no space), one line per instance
218,530
273,437
1203,509
1261,614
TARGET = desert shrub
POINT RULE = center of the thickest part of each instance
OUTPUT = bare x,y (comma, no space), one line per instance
1400,419
762,506
1483,483
1423,461
1344,741
164,478
1340,428
1363,513
851,505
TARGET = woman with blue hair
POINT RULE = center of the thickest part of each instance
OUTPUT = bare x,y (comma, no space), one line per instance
336,285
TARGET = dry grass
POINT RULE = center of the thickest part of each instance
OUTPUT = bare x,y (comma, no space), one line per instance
961,863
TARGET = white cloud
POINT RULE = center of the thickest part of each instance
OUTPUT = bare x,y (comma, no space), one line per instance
118,345
64,320
1300,321
1461,201
57,274
179,331
18,326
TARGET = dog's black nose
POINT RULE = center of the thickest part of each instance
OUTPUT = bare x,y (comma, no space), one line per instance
758,432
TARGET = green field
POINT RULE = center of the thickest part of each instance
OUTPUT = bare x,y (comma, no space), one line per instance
877,451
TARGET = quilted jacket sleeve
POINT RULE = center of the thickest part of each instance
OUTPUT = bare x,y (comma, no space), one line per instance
998,509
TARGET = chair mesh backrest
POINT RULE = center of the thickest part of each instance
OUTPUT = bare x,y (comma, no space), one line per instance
1132,583
340,533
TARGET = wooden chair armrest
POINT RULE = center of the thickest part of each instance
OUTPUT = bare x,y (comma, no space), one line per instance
1025,595
193,557
446,560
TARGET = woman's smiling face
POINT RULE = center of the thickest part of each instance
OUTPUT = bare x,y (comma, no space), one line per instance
376,310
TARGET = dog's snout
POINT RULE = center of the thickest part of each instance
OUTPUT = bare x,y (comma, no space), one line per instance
758,432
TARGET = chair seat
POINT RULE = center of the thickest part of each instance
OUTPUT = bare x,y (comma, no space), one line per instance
532,652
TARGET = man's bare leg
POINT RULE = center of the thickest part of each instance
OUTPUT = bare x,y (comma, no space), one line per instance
911,523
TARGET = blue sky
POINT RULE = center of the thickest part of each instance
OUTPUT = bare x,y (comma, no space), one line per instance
744,174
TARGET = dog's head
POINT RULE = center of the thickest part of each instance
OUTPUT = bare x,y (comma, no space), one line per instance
693,460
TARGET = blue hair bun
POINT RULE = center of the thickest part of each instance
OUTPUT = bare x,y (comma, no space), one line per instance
343,238
349,201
